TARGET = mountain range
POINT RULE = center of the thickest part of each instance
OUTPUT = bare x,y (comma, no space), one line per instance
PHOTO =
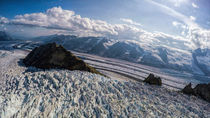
193,61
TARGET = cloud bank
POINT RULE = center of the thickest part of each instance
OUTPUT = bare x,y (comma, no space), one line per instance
3,20
57,18
67,21
197,36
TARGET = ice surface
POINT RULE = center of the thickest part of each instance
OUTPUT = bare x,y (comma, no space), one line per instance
62,93
31,92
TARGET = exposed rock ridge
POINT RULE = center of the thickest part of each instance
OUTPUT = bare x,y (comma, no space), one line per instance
52,55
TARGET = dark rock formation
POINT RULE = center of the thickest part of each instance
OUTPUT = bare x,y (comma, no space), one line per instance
151,79
188,89
201,90
55,56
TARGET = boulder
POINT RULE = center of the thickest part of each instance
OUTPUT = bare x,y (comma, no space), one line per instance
188,89
55,56
151,79
201,90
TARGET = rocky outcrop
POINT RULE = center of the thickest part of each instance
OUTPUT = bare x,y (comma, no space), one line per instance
201,90
151,79
55,56
188,89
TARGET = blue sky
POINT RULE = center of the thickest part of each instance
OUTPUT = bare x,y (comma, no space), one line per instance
173,17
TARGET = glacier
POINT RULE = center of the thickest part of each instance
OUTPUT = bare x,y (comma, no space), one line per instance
32,92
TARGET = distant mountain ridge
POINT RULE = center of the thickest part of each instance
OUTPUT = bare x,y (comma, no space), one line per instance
196,62
159,56
4,36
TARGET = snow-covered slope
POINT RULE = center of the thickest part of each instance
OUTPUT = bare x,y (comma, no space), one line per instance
202,60
30,92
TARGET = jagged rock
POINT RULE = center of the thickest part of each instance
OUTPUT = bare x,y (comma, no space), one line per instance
188,89
151,79
52,55
201,90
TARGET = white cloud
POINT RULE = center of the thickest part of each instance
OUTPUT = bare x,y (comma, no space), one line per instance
3,20
57,18
194,5
129,21
175,23
178,3
181,26
200,38
192,18
171,12
197,36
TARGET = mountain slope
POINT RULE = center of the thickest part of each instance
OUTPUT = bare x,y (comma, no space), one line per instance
202,60
4,36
